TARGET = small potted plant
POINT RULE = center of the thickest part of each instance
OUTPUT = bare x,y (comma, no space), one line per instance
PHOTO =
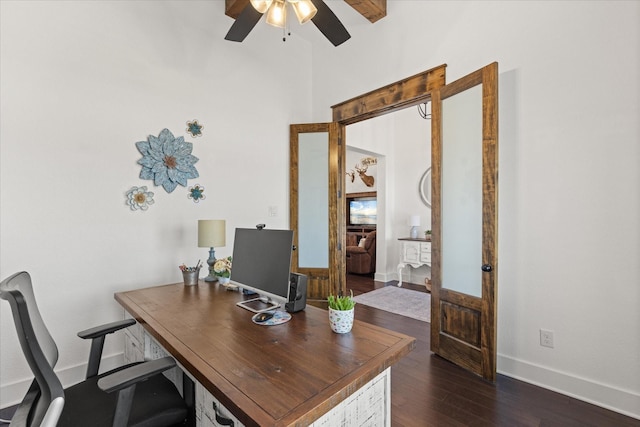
427,235
341,310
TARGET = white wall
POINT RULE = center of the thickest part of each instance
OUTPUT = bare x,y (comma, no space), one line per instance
81,83
569,240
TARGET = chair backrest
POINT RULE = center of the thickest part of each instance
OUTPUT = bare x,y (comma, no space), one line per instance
46,397
370,245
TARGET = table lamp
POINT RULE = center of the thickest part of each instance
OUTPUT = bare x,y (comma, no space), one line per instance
414,222
211,233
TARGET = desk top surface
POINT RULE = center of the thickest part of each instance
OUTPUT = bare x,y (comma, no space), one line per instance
266,375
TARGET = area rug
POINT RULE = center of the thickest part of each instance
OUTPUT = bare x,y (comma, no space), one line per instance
393,299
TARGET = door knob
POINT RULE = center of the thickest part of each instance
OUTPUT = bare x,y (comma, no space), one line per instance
487,268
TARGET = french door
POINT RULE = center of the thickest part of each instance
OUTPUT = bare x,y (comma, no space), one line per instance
464,205
465,221
316,186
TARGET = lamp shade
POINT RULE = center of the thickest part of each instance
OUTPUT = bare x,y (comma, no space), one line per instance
304,9
277,14
261,5
414,221
212,233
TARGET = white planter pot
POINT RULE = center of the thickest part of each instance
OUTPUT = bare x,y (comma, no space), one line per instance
341,321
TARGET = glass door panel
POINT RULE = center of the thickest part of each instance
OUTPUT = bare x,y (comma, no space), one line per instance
462,192
315,205
313,200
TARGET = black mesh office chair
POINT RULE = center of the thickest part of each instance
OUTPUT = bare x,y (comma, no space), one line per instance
133,395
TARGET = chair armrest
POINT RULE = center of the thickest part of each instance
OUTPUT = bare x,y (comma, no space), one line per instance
97,336
124,383
106,329
355,250
134,374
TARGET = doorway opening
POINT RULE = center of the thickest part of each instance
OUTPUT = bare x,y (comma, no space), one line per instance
401,143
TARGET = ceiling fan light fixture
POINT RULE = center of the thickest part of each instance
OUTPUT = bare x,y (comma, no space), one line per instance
324,19
277,14
305,10
261,5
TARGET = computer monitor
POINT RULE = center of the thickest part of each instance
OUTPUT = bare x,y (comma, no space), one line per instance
261,263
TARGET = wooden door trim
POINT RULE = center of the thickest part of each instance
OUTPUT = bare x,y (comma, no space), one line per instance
404,93
337,227
490,218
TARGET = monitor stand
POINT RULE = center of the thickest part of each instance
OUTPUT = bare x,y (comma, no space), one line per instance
258,305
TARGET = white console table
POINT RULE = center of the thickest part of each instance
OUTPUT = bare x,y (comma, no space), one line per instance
413,252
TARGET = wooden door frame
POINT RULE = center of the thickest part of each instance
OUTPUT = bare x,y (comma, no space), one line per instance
409,92
402,94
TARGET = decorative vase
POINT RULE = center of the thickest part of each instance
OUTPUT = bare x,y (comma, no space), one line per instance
223,280
341,321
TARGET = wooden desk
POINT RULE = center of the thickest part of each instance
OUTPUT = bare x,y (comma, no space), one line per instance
290,374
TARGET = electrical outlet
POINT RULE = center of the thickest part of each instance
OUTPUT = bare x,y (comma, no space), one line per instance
546,338
273,211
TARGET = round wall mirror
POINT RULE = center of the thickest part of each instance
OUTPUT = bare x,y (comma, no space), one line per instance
424,187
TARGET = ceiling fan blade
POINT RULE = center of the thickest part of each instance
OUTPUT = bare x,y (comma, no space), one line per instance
247,19
329,24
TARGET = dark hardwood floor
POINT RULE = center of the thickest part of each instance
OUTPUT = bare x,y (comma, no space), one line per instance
426,390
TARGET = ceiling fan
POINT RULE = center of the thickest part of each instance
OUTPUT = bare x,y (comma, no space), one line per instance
276,10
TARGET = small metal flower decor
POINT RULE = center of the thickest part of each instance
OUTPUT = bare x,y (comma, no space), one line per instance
167,160
194,128
196,193
139,198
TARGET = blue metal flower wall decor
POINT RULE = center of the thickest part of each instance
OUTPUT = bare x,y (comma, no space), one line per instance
139,198
194,128
196,193
167,160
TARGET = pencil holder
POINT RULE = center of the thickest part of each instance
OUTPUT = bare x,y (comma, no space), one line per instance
191,277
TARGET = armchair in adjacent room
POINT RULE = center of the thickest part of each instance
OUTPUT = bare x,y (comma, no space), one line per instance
132,395
361,259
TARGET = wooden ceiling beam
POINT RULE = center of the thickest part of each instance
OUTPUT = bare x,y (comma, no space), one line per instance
373,10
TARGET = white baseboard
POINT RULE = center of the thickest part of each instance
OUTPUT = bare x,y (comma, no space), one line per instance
622,401
383,277
406,278
12,394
